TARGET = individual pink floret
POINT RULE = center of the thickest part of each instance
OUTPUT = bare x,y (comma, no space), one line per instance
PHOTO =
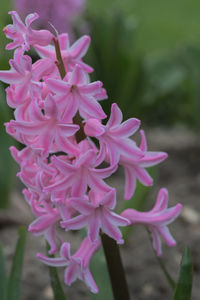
96,213
135,169
114,136
47,130
23,35
45,223
157,220
77,265
81,95
71,55
25,77
81,174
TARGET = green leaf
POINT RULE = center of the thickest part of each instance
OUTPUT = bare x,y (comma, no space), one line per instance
55,281
3,276
184,286
14,281
99,269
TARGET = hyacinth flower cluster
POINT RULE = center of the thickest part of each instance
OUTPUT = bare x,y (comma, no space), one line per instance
71,147
61,13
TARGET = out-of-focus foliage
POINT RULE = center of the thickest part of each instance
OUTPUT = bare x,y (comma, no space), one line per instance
160,88
6,163
184,285
10,289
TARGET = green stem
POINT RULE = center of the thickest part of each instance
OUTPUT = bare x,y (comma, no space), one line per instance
115,268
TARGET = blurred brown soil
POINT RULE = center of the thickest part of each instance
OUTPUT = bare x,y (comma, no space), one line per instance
180,173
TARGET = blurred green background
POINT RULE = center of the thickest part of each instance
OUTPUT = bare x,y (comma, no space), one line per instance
147,54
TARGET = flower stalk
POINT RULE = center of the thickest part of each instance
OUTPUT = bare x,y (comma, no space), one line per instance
115,268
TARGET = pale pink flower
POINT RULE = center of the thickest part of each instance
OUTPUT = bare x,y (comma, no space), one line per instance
45,223
157,220
60,13
77,265
71,55
23,35
25,76
81,95
46,129
114,136
81,174
96,213
135,169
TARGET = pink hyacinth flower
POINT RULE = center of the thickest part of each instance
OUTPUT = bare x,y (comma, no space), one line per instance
135,169
77,265
71,55
23,35
80,94
96,213
24,76
157,220
80,175
45,224
60,13
46,129
114,136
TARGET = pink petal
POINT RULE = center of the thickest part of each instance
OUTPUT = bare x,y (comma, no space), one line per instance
58,86
109,200
143,176
143,144
89,281
65,251
75,223
115,116
78,76
130,182
80,47
111,230
94,226
127,128
164,231
152,159
55,262
82,206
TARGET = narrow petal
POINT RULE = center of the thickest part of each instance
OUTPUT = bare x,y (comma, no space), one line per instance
80,47
82,206
55,262
75,223
115,116
143,176
127,128
109,200
130,182
94,226
111,230
152,158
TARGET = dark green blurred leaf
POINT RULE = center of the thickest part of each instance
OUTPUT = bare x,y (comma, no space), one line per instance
99,269
184,286
55,282
3,276
6,163
14,281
